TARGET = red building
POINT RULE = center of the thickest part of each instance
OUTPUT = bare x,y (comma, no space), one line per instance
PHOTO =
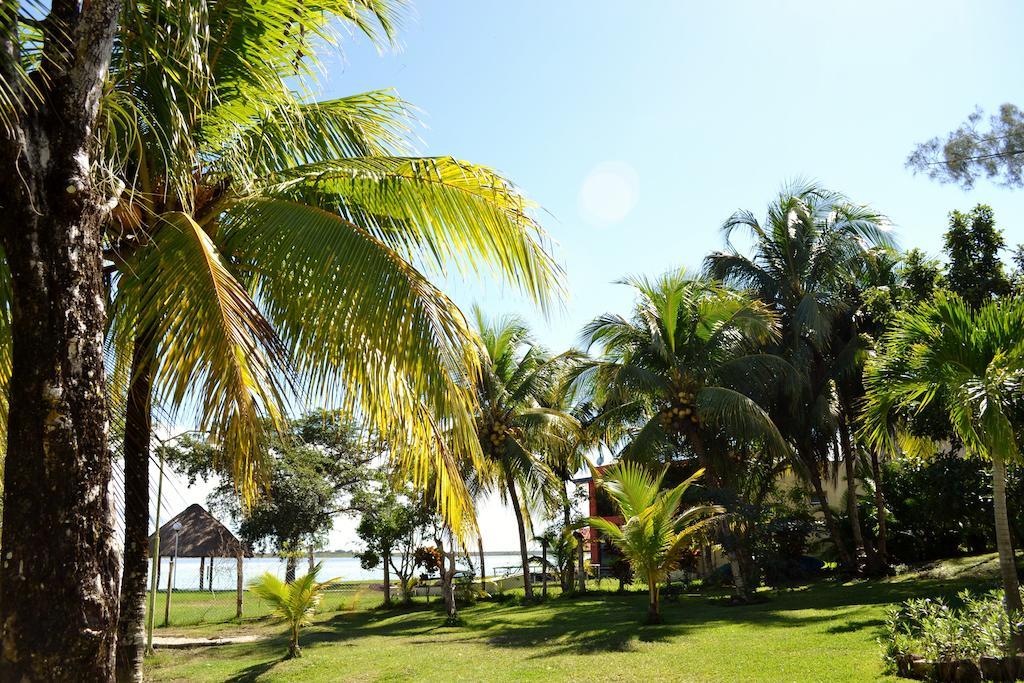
602,553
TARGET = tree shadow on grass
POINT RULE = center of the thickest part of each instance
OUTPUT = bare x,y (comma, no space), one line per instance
251,673
597,623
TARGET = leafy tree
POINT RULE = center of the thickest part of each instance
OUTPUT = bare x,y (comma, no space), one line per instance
803,265
972,244
513,424
294,603
940,506
562,550
971,152
655,534
390,527
920,275
314,467
971,363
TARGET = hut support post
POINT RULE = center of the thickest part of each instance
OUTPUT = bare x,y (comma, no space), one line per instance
202,572
238,607
210,582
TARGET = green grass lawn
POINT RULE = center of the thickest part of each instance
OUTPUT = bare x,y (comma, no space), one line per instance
193,611
820,632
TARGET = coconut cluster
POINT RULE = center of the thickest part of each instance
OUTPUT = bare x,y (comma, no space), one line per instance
680,413
493,436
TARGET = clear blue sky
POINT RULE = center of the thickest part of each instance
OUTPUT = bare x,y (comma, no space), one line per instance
713,105
694,110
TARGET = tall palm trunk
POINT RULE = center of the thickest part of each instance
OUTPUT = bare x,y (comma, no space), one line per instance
845,558
514,499
483,567
58,578
1007,565
880,510
567,575
861,549
740,563
137,436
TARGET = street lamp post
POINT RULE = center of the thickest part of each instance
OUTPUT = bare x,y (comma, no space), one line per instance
154,572
170,574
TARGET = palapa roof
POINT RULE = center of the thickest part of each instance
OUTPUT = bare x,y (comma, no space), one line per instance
201,535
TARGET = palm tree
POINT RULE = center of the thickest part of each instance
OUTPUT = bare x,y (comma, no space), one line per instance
654,534
593,429
294,603
687,370
266,247
513,424
971,364
803,261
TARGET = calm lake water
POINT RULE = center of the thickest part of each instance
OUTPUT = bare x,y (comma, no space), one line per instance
346,568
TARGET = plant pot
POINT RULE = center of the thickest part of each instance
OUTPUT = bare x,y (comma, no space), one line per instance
997,668
922,668
966,671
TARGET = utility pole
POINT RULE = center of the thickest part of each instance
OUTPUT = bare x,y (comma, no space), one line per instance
153,575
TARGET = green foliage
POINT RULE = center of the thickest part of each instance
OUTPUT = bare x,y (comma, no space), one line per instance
969,362
321,459
920,275
247,213
391,524
939,507
654,534
975,270
685,371
294,603
971,627
516,425
781,538
971,152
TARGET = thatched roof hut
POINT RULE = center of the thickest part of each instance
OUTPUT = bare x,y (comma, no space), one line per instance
200,535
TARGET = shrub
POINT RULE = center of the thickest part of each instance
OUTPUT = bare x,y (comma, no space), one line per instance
781,541
975,626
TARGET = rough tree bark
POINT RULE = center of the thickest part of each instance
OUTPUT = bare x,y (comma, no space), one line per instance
58,577
514,500
138,431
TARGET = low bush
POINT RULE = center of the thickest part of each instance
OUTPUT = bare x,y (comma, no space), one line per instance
973,626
